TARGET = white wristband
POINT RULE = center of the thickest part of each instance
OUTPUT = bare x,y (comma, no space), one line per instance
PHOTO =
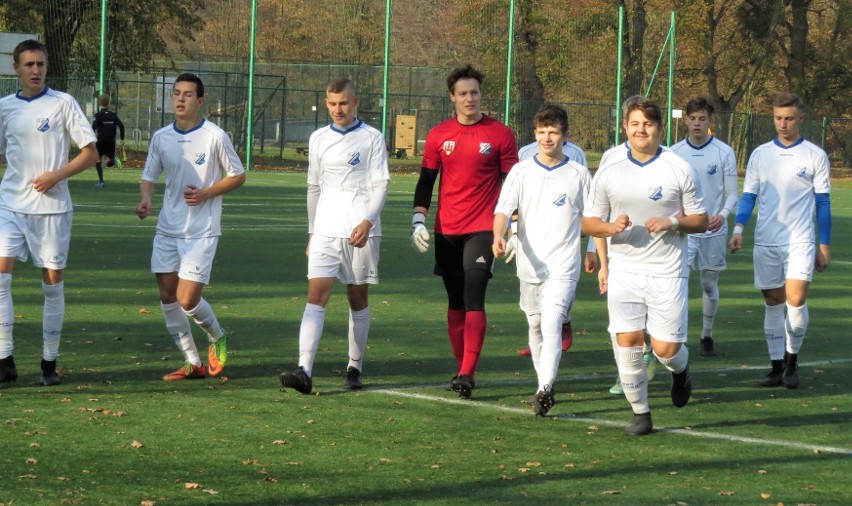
514,227
724,213
675,223
738,229
418,218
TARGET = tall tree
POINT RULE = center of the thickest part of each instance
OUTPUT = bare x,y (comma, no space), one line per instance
71,30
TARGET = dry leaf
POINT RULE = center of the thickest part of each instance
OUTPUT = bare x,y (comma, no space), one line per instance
764,495
144,310
610,492
524,470
436,466
31,461
507,478
250,462
569,466
28,476
761,471
533,464
726,492
279,442
137,444
148,503
385,460
209,491
192,486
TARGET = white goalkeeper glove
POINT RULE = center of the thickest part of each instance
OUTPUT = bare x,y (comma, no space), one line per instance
511,249
419,234
512,243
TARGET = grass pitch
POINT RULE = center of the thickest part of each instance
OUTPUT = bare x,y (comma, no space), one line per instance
114,433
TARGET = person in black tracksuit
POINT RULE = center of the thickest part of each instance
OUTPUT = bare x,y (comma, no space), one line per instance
105,125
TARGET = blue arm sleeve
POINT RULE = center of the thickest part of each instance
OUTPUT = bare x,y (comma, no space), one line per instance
745,208
823,214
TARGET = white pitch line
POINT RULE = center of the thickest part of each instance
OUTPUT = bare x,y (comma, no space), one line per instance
610,423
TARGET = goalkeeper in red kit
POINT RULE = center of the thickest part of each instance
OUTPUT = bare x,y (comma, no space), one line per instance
472,153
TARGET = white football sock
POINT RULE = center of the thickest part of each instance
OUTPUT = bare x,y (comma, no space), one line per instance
534,338
709,301
7,316
796,326
177,324
551,348
310,332
773,329
359,328
204,316
52,318
678,362
634,377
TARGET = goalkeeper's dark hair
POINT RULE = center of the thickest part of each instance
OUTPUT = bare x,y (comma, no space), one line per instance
699,104
28,45
189,77
551,115
340,84
467,71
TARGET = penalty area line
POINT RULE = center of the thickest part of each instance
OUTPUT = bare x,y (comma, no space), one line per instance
611,423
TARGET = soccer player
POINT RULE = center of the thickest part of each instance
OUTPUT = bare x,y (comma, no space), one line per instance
547,191
575,154
37,126
105,125
715,172
652,200
473,153
200,166
789,178
347,189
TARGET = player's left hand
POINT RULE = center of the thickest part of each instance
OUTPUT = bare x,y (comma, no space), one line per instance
511,248
657,224
603,275
360,234
45,182
194,195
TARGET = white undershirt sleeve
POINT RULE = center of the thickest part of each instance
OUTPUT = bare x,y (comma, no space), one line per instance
378,196
313,200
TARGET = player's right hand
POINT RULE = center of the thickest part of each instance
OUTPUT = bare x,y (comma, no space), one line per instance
419,238
511,248
143,210
735,243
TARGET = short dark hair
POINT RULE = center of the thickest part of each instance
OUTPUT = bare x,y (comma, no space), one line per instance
466,71
789,100
699,104
28,45
189,77
340,84
648,107
103,101
551,115
628,102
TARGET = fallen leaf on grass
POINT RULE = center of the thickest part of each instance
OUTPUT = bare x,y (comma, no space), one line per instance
569,465
726,492
137,444
28,477
209,491
764,495
65,400
610,492
32,461
279,442
762,471
34,445
435,466
385,460
533,464
144,310
672,473
524,470
250,462
191,486
148,503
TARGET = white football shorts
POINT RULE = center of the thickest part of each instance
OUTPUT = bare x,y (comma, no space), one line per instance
707,253
192,259
44,236
775,264
556,295
333,257
658,305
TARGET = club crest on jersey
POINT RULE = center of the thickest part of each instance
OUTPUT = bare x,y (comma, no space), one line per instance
43,124
803,172
656,193
200,158
355,160
484,148
449,146
561,200
712,169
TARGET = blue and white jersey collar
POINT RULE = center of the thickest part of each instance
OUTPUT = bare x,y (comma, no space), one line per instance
184,132
693,146
355,125
642,164
782,146
30,99
548,168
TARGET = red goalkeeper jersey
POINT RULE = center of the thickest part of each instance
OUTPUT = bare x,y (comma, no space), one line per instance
471,160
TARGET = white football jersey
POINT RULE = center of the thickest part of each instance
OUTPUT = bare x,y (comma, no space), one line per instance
345,164
661,187
550,203
572,151
714,168
785,179
35,135
201,156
